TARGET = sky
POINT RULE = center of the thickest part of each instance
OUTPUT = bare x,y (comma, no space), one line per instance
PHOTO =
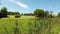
29,6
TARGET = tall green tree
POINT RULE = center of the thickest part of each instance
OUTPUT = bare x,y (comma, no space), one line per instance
4,12
41,13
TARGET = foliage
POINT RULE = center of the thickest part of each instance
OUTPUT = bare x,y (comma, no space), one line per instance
34,26
30,28
41,13
16,31
4,12
29,14
5,29
17,16
13,13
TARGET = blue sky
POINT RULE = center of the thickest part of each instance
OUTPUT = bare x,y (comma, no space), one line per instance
25,6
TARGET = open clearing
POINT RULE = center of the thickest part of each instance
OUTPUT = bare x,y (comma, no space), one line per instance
9,24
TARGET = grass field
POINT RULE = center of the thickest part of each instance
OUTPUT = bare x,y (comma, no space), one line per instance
28,25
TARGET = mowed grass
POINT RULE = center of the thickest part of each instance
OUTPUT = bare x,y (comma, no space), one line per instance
9,24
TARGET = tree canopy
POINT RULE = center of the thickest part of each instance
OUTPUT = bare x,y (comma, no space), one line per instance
13,13
41,13
4,12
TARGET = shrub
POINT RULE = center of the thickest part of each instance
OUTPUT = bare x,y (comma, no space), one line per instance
17,16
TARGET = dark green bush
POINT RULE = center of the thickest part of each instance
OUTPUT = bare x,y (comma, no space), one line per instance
17,16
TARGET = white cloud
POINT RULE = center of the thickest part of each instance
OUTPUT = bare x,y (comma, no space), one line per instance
20,4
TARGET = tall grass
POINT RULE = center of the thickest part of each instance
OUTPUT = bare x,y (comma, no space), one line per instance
5,29
16,30
43,26
30,28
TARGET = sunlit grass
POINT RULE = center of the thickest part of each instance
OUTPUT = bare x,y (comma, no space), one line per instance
9,23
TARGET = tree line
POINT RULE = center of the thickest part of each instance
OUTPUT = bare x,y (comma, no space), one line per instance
43,14
5,13
38,13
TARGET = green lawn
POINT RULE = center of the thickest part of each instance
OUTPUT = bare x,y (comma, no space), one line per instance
26,25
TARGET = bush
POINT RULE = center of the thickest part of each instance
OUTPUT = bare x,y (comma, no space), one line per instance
17,16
